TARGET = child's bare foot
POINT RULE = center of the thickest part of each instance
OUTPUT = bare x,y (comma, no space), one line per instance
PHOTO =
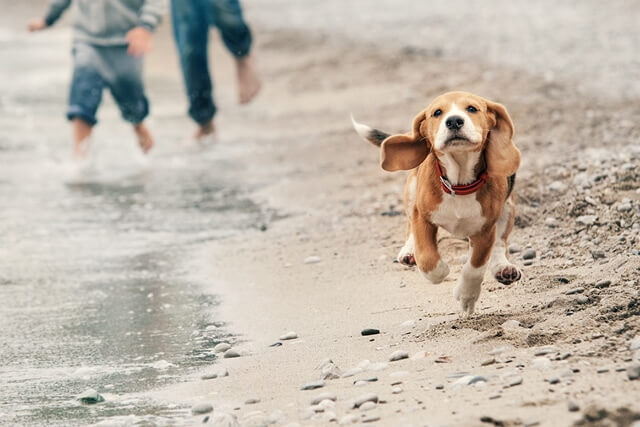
145,140
205,134
81,134
248,80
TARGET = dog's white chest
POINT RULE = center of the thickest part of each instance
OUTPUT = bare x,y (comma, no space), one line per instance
459,215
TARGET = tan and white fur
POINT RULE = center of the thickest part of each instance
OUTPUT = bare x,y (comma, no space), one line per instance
466,134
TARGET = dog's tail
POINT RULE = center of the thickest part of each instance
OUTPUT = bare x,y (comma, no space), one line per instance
374,136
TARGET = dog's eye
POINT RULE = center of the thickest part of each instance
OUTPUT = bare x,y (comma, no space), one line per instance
437,113
472,109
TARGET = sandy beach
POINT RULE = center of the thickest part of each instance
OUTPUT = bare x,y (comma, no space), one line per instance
315,266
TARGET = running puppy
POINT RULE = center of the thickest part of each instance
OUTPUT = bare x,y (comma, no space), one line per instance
463,163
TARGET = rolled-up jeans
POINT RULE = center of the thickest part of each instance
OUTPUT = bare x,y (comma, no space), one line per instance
191,22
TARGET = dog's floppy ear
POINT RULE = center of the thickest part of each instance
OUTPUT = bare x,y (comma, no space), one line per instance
502,155
405,152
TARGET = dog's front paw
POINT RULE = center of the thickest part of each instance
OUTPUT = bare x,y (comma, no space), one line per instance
406,255
467,297
506,273
438,274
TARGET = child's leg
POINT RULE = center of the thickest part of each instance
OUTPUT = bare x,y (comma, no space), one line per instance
85,96
227,16
127,88
191,32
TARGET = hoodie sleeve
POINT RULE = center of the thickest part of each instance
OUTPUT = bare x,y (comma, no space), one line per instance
56,9
151,13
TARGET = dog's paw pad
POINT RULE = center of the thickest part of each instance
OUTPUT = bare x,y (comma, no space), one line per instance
507,274
407,259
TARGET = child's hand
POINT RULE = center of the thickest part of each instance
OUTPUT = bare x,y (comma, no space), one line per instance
37,25
140,41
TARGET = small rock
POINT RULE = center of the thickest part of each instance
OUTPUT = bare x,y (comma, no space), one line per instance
624,207
288,336
348,419
551,222
603,284
371,419
367,406
635,343
586,219
439,386
554,380
90,396
367,379
217,373
201,408
488,362
495,396
514,381
398,355
313,385
396,390
598,254
231,353
221,347
582,299
369,397
557,186
542,351
324,396
514,248
276,344
529,253
633,371
369,331
251,401
313,259
573,291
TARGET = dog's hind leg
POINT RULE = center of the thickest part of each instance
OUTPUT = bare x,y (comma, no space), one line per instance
503,271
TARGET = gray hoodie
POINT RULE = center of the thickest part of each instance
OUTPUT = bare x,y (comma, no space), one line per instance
106,22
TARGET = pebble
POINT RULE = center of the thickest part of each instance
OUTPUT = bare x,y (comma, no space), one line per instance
633,371
598,254
554,380
557,186
367,406
542,351
398,355
201,408
324,396
603,284
514,381
231,353
551,222
582,299
573,291
396,390
288,336
529,253
495,396
573,406
217,373
439,386
624,207
514,248
586,219
90,396
369,397
369,331
313,259
371,419
313,385
251,401
635,343
221,347
488,362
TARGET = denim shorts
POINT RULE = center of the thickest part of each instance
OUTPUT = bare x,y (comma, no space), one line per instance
96,67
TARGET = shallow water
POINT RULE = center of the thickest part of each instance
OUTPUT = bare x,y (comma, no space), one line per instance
97,282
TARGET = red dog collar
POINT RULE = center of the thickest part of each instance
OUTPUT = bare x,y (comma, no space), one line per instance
461,190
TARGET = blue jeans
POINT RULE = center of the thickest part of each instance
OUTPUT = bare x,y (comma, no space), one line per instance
191,22
97,67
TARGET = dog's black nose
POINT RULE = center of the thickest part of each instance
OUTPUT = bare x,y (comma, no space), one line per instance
454,122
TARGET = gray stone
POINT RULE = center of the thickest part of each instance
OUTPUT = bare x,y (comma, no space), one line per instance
371,418
603,284
367,379
557,186
573,406
582,299
529,253
367,406
633,371
514,381
488,362
398,355
251,401
554,380
396,390
324,396
231,353
514,248
573,291
369,397
289,336
201,408
586,219
369,331
313,385
90,396
313,259
221,347
624,207
551,222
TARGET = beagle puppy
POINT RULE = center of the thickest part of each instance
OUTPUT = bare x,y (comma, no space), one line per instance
463,163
